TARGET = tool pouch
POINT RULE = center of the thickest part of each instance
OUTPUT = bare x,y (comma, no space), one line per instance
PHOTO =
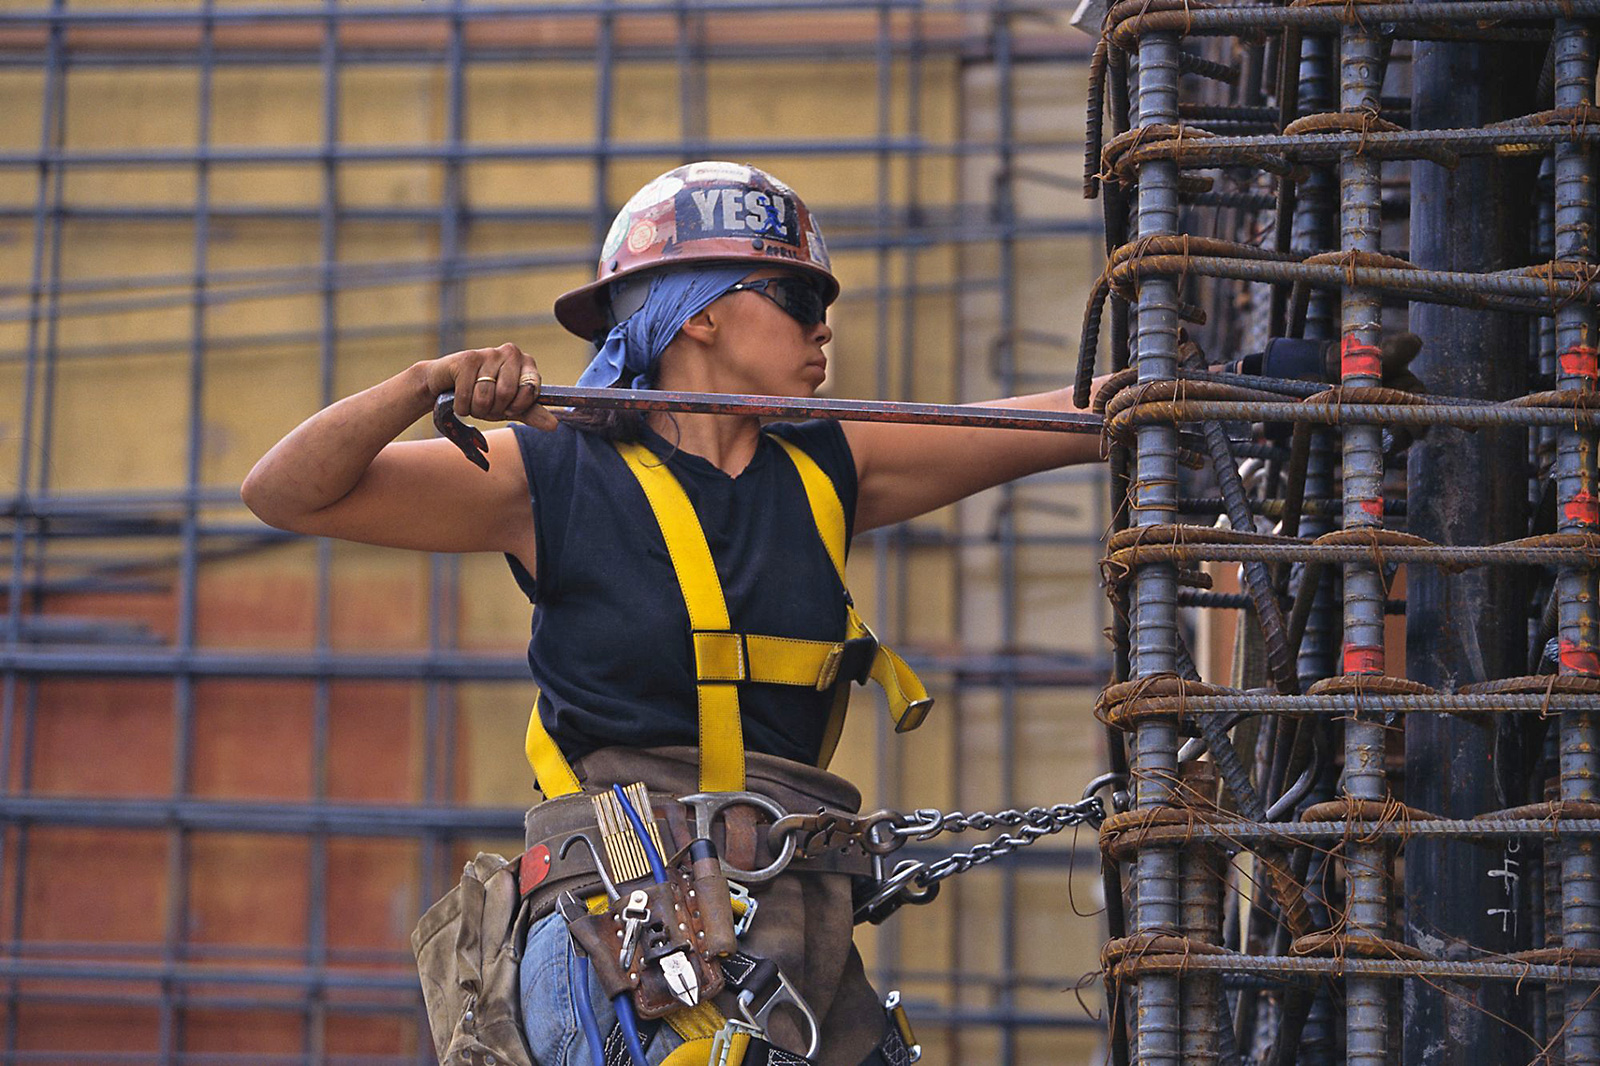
676,924
599,936
468,947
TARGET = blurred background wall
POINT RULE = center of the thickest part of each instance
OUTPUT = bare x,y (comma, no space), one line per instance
236,765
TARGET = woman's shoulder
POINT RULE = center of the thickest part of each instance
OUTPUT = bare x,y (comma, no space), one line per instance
560,446
819,436
824,441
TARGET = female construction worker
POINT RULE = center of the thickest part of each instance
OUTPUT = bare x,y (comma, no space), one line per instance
692,629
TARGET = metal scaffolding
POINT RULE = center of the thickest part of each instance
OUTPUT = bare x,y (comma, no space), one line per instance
158,543
1400,843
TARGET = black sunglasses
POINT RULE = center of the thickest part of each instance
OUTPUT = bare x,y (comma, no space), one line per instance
799,297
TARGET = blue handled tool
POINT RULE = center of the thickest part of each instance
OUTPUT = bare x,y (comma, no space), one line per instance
676,967
658,869
630,1028
586,1017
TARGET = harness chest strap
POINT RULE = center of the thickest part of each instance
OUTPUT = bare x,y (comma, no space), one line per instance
724,658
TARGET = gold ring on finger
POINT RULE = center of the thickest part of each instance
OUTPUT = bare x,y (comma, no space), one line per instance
488,377
529,382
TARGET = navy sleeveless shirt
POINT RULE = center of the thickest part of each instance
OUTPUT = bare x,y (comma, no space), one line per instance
611,651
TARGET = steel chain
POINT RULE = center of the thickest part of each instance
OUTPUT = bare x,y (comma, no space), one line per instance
925,823
918,882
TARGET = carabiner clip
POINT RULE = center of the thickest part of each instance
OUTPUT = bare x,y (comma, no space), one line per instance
742,917
784,993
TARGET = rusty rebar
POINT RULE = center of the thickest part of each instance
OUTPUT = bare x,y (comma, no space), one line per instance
1340,437
933,414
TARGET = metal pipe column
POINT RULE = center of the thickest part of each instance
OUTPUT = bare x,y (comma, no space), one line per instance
1461,628
1576,513
1155,600
1361,63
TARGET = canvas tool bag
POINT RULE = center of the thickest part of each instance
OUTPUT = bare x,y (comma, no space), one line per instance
468,947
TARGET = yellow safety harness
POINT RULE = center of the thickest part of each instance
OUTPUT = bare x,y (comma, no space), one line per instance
724,658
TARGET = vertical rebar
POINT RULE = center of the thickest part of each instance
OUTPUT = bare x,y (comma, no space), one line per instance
1005,214
1544,250
316,1016
1316,231
1115,220
1154,602
1576,507
1554,994
175,939
47,216
1361,63
889,545
1200,917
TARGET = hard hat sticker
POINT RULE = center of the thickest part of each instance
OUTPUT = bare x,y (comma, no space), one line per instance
716,170
816,245
736,211
662,188
614,236
641,236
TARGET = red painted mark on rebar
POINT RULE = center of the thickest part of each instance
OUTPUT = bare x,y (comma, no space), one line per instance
1583,507
1363,659
1581,361
1579,659
1357,360
1373,506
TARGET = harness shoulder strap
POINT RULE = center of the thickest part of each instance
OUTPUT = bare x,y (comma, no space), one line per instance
550,767
720,655
826,510
721,732
909,702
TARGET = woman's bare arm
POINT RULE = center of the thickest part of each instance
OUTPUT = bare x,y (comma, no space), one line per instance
906,470
341,473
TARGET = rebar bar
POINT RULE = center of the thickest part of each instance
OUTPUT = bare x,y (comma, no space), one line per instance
1154,494
1576,504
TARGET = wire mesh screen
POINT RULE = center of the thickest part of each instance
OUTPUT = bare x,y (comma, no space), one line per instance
236,765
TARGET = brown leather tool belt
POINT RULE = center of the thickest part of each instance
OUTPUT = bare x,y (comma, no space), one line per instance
740,831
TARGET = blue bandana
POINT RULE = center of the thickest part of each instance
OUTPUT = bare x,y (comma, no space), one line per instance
635,344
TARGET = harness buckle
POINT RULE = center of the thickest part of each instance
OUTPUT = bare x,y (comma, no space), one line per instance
722,1047
856,656
915,713
900,1027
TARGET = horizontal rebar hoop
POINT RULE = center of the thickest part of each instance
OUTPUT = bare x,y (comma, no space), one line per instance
1127,24
1254,832
1399,968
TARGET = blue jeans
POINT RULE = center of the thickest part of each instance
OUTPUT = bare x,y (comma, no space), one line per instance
550,1005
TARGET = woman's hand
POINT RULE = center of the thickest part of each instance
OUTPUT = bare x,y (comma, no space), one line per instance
493,384
341,473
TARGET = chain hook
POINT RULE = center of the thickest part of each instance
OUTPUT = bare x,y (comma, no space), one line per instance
1119,789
